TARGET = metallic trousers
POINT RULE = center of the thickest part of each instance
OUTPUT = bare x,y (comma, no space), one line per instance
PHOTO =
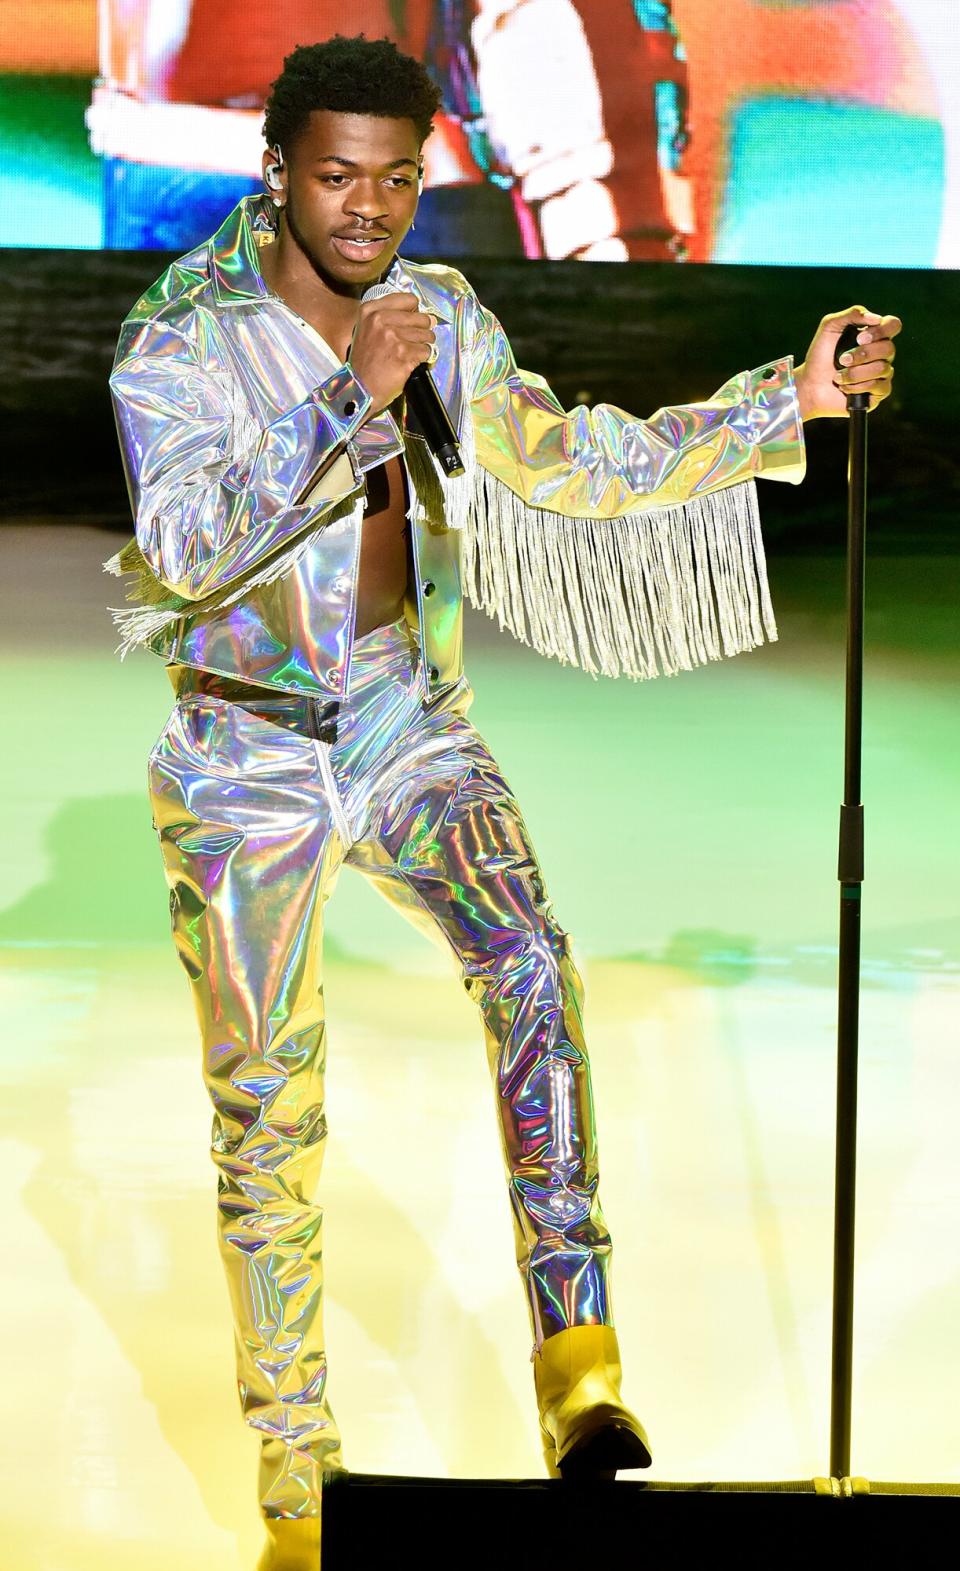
255,817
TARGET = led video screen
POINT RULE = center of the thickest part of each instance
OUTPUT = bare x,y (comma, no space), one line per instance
810,132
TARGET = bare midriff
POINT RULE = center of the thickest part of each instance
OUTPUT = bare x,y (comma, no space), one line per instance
384,549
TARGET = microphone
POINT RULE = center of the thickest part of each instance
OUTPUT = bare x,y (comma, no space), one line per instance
427,406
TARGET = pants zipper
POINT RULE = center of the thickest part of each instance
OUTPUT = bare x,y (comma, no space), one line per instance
326,774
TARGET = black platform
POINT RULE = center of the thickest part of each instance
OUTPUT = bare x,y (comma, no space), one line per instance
428,1523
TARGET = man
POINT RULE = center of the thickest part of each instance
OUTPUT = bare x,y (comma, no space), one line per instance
298,561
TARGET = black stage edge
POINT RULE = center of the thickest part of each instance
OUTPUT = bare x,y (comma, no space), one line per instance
371,1519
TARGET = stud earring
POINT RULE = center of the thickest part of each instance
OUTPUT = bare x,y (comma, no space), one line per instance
278,201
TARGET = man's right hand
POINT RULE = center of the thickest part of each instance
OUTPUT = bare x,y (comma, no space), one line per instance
391,337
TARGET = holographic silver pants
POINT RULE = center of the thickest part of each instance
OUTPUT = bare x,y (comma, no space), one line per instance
254,821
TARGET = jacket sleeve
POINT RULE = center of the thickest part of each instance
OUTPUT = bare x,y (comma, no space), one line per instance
625,546
213,495
600,462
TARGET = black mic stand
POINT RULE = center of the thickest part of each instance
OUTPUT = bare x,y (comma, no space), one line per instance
850,873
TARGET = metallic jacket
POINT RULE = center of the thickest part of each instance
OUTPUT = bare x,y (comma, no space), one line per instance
625,546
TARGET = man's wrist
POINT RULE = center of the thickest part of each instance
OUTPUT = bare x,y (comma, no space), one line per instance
366,396
344,400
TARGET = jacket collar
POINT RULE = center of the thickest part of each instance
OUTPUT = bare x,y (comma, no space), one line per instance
235,272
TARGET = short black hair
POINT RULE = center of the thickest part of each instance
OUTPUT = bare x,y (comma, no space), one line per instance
360,76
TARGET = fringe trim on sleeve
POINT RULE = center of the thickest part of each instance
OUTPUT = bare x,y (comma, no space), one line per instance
652,591
157,608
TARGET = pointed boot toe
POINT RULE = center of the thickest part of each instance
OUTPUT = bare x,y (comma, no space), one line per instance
587,1431
602,1444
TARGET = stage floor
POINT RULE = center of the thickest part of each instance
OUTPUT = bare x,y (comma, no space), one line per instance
688,832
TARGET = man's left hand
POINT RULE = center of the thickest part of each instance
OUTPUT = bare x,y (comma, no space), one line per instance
822,389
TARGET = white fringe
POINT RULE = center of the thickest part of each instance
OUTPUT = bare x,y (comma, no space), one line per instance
161,608
653,591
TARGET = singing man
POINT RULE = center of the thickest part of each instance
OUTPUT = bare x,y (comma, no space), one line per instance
299,565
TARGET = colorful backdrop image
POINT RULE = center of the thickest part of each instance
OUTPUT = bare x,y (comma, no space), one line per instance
597,129
687,828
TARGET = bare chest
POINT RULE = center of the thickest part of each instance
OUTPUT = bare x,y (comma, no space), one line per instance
384,548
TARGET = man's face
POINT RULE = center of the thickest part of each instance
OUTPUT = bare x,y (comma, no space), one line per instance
350,184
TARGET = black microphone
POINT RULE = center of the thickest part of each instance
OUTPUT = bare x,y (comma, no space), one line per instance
426,404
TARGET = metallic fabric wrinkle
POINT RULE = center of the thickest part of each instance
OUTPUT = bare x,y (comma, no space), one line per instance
255,819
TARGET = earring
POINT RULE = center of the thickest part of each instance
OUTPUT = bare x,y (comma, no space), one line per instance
278,201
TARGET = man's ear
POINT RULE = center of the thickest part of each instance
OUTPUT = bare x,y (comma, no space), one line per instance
271,169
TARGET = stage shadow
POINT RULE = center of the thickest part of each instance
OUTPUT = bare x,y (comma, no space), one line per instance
104,882
124,1189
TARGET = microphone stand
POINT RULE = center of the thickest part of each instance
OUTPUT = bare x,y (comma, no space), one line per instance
850,873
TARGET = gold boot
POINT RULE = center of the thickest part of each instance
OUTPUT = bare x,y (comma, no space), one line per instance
293,1544
586,1430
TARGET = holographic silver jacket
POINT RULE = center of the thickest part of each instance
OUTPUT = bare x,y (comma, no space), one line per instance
623,545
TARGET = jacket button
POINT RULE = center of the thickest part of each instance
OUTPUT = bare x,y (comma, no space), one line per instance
349,407
769,373
428,587
434,674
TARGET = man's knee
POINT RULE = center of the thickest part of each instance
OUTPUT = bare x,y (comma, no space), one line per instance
526,958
